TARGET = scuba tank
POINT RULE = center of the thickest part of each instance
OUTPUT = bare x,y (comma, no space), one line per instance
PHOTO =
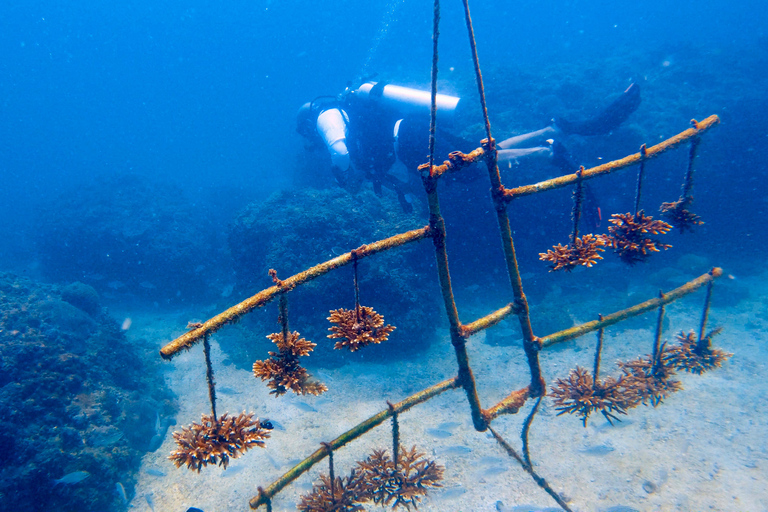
326,120
332,128
406,100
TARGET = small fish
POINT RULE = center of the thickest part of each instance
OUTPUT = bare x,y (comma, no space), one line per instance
438,433
155,472
597,450
224,390
232,470
456,449
103,439
272,461
493,470
72,478
120,490
150,501
304,406
451,493
276,425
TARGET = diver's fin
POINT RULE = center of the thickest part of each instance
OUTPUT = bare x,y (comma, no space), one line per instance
609,119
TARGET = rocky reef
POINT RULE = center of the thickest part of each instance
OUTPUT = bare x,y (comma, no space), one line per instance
78,404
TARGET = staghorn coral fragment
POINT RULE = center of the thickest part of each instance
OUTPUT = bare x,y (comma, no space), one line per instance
584,251
629,236
679,215
283,370
215,442
651,381
344,497
402,485
581,395
357,328
694,357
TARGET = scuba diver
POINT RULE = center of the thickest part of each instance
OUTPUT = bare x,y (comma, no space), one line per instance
380,132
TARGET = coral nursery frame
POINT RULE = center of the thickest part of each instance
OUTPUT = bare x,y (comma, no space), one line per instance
482,418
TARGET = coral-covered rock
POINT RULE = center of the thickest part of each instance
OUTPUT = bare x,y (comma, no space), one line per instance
76,401
82,296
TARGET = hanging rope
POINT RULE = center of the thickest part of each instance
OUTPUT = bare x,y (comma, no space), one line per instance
640,176
578,196
209,376
598,350
705,315
479,78
433,106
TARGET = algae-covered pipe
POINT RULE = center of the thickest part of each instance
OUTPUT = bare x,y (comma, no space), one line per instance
187,340
639,309
699,127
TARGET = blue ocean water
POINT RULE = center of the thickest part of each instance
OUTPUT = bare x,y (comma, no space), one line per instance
133,135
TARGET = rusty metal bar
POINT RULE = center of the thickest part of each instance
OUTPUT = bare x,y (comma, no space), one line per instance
639,309
698,128
422,396
187,340
458,340
488,320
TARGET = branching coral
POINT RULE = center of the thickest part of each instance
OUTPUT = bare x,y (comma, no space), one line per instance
343,496
679,215
581,395
584,251
401,484
358,327
215,442
696,357
629,236
650,380
283,370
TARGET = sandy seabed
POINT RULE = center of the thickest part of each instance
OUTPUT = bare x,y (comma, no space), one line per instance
703,449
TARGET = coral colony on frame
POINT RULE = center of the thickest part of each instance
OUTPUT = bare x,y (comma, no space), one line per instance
695,356
356,328
377,479
215,441
584,251
282,369
629,236
679,215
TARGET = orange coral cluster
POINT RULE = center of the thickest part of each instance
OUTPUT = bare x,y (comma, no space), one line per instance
679,215
652,381
358,327
283,370
581,395
379,480
694,357
402,485
629,236
343,496
215,442
584,251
